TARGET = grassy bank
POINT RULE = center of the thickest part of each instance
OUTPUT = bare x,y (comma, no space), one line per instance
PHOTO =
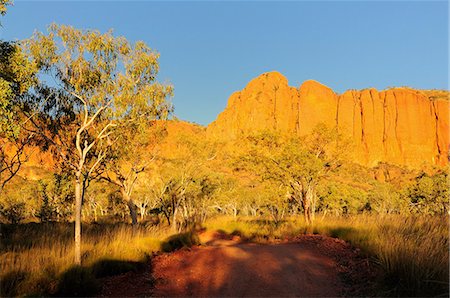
36,259
412,251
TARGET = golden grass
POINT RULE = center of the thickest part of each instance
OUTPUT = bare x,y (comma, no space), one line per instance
413,251
34,267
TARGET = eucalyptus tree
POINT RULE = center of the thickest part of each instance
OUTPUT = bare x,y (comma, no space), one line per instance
298,164
132,154
91,85
17,75
3,5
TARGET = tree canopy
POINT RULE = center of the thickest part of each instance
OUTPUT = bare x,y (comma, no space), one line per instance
91,86
296,163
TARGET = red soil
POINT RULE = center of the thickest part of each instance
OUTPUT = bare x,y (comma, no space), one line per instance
310,265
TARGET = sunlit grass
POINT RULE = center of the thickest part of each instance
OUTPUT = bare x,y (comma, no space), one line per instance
33,257
412,251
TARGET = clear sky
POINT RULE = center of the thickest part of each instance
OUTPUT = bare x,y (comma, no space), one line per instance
211,49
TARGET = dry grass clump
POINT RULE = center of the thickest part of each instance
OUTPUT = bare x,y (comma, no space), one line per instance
35,257
435,94
412,250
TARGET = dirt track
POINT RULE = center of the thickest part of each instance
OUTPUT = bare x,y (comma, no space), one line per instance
304,267
279,270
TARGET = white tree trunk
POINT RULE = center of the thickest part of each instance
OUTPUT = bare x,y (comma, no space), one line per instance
78,202
131,206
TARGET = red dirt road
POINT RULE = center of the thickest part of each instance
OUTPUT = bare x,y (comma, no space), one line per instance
230,268
308,266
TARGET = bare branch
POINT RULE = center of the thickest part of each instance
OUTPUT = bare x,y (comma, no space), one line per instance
84,106
100,135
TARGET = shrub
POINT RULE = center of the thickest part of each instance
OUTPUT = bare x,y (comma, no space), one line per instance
14,213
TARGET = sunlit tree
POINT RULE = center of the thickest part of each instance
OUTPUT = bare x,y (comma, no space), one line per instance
429,193
296,163
134,150
92,85
17,75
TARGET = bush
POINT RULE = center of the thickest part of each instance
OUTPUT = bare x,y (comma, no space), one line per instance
14,213
57,197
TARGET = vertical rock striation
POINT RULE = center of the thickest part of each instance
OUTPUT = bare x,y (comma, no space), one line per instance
399,126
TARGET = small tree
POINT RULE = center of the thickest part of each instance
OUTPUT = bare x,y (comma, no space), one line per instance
341,198
13,212
296,163
57,197
429,193
102,83
131,155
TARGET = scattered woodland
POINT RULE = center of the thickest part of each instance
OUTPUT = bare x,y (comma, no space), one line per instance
94,168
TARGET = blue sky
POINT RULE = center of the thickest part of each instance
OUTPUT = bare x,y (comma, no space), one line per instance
211,49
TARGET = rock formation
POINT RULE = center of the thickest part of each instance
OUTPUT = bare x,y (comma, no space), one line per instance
400,126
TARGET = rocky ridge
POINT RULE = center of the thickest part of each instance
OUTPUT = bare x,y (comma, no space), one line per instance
400,125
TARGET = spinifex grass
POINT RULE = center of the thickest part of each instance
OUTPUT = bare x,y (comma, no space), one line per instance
34,256
412,250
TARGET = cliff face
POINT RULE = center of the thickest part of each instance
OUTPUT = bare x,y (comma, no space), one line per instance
400,126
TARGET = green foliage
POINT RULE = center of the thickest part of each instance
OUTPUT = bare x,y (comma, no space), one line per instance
14,212
3,4
57,198
339,198
102,70
429,194
298,164
184,200
17,75
385,198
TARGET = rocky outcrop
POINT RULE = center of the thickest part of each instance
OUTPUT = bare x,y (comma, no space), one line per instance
399,126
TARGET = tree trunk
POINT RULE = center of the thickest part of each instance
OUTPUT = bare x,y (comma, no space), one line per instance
142,210
306,212
309,204
167,216
131,206
95,214
174,220
78,202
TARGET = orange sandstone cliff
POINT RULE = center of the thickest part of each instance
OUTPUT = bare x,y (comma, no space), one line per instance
400,126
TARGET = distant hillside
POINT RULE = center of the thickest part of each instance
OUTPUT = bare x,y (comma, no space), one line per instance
401,125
